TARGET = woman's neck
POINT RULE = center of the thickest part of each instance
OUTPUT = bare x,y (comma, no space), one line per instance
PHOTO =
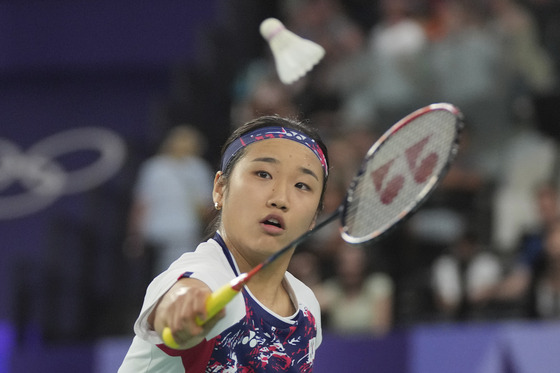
267,285
273,296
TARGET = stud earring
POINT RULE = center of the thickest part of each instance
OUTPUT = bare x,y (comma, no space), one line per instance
217,206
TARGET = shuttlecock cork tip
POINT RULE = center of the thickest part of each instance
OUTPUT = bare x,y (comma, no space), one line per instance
270,27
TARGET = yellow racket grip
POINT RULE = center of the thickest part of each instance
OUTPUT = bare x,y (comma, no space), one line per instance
214,304
217,301
168,338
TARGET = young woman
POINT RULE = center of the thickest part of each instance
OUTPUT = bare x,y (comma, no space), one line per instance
268,192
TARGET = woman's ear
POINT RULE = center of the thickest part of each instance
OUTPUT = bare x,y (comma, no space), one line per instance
314,221
219,188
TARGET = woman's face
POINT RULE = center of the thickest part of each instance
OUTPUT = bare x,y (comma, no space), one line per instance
270,199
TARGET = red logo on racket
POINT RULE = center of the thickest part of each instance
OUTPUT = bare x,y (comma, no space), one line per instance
421,170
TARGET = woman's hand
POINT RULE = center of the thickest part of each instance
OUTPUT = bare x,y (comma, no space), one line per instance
178,310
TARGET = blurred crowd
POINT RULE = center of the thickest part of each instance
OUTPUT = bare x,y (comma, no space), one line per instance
485,246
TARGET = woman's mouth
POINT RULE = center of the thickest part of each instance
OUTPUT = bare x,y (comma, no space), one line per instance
273,224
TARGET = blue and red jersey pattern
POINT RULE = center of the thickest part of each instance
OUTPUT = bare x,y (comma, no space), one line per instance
259,342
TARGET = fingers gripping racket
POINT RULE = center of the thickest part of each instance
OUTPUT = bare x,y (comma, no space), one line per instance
396,176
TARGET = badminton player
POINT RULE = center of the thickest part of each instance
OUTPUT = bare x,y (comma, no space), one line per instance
268,192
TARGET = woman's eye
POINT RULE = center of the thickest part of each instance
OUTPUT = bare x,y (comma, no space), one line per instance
302,186
263,174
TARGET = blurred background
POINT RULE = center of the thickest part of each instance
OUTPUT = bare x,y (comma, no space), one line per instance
100,99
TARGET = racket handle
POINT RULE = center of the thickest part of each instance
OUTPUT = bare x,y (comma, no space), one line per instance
168,338
214,304
217,301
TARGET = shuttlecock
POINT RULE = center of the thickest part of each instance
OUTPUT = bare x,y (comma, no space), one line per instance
294,56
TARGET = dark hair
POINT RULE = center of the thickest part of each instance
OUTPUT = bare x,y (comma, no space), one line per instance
266,121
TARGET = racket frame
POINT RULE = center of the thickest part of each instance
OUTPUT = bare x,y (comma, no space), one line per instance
428,189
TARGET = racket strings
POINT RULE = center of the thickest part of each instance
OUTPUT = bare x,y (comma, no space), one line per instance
399,174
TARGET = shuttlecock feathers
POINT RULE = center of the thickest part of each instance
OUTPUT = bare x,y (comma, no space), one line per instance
294,56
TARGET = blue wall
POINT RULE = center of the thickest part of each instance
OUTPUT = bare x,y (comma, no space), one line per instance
103,33
67,65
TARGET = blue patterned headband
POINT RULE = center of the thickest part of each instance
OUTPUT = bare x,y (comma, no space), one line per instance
273,133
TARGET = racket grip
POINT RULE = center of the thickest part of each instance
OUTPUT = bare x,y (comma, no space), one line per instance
214,304
168,338
217,301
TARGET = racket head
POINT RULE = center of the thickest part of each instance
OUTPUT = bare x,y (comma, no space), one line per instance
400,171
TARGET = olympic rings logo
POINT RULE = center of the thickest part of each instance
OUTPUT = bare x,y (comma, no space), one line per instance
32,180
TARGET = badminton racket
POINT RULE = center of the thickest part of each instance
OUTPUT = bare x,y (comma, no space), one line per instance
398,173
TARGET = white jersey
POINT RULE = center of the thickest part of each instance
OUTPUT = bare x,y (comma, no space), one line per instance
250,338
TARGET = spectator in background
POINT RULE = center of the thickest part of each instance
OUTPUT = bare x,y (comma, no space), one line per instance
305,266
326,23
526,57
262,94
171,199
466,68
257,89
357,300
388,83
532,242
545,297
515,286
461,278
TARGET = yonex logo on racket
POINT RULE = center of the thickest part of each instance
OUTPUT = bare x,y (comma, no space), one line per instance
420,168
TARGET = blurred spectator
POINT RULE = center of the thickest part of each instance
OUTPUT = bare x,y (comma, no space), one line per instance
548,208
546,288
515,286
526,57
547,13
389,83
326,23
263,94
349,149
464,184
461,278
466,68
530,160
173,193
305,266
357,300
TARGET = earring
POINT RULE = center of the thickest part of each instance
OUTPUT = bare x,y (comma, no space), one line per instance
217,206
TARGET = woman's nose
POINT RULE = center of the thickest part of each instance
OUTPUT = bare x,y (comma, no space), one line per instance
278,199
